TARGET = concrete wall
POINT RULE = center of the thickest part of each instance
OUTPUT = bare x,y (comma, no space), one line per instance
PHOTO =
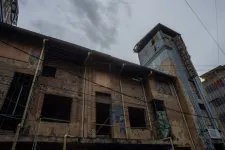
70,85
14,60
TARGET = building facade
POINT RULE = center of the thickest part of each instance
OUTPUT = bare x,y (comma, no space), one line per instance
164,50
58,95
9,11
214,84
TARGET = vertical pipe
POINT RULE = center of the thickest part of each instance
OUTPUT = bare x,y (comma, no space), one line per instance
124,115
64,141
189,133
146,102
36,136
29,97
83,106
17,100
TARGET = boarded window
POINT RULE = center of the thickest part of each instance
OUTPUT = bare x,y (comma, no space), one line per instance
15,101
137,117
56,108
163,87
48,71
103,119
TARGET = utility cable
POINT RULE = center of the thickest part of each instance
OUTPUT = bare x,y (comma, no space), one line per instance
204,26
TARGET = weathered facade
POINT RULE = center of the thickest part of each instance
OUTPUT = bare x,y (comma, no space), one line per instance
214,84
86,100
164,50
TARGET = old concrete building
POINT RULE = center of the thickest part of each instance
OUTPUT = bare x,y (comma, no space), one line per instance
214,84
58,95
163,49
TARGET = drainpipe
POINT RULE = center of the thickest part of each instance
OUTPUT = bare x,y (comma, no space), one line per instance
189,133
84,87
29,97
146,102
36,136
64,140
121,91
171,141
124,118
83,108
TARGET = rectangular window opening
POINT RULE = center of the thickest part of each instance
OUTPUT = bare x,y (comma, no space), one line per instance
103,120
48,71
56,108
137,117
15,101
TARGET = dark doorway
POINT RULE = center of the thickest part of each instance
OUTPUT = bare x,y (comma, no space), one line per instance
15,101
103,119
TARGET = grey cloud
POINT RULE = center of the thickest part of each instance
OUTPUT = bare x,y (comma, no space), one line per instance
49,28
99,22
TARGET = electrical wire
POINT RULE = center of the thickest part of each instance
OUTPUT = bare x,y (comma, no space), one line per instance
204,26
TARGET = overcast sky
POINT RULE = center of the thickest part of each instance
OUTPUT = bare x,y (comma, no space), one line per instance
115,26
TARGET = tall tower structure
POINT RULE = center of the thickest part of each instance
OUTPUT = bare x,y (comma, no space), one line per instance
9,11
164,50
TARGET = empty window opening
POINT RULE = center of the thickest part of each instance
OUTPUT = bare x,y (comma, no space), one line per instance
48,71
56,108
15,101
103,120
137,117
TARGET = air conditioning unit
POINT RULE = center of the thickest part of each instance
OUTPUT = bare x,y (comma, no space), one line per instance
214,134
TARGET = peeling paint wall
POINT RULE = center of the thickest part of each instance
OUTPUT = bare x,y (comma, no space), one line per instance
68,85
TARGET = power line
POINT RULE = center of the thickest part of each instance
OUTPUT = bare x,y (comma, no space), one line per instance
217,30
204,26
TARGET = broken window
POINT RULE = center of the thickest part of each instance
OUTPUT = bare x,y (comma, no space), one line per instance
15,101
103,111
163,87
163,126
137,117
56,108
48,71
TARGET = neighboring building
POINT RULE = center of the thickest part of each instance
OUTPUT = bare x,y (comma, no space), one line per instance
84,99
163,49
9,11
214,84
